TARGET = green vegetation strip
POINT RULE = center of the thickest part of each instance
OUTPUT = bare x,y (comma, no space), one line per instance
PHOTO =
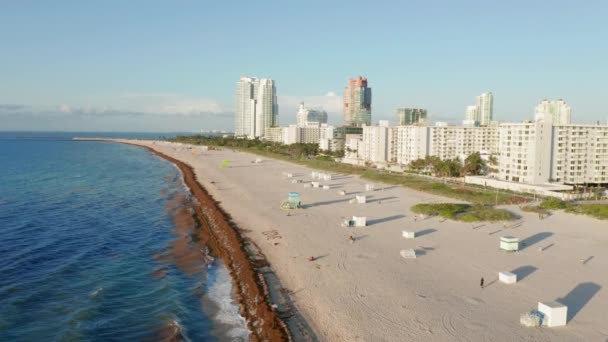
309,155
464,212
597,210
553,204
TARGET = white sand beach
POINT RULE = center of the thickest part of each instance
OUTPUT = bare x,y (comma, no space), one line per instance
365,291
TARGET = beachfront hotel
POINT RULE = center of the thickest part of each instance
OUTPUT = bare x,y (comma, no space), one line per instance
357,103
256,107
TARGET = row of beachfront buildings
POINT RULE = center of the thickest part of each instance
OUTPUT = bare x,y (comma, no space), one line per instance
532,152
547,151
538,151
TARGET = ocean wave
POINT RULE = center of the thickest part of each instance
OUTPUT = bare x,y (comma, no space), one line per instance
220,293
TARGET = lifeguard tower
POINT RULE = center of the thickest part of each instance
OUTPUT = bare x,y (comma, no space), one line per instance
292,202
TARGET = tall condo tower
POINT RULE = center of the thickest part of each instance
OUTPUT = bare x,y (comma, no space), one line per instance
558,110
357,103
256,107
482,111
485,108
411,116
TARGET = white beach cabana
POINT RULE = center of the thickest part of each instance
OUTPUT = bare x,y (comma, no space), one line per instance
408,253
507,277
509,243
360,221
408,235
555,314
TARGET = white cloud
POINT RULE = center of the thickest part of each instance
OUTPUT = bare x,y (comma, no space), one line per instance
167,103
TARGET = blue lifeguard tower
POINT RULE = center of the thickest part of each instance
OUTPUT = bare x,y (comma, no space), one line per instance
292,202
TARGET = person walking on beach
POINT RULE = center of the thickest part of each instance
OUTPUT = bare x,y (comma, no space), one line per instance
481,283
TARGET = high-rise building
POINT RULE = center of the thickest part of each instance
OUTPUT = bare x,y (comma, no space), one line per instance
471,114
411,116
256,107
485,106
559,111
482,111
306,115
357,103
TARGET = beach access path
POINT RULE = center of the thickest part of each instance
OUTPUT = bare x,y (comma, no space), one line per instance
365,291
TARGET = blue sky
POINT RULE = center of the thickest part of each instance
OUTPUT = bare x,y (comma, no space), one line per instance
173,65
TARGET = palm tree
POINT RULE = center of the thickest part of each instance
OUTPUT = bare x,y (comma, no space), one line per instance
473,164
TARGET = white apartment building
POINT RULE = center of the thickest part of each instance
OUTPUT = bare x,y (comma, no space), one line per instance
525,152
376,145
353,149
404,144
559,111
540,153
409,143
449,142
256,107
310,134
274,134
580,154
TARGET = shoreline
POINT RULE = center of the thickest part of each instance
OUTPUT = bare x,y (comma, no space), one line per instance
220,234
363,289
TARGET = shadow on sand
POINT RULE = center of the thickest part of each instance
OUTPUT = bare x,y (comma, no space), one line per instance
536,238
385,219
523,271
373,199
305,206
424,232
579,297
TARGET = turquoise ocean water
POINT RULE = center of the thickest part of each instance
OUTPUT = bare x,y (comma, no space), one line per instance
80,226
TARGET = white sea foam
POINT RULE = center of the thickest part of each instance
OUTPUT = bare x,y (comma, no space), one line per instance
96,292
220,292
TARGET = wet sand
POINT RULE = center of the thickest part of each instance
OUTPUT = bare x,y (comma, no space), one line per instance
217,234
